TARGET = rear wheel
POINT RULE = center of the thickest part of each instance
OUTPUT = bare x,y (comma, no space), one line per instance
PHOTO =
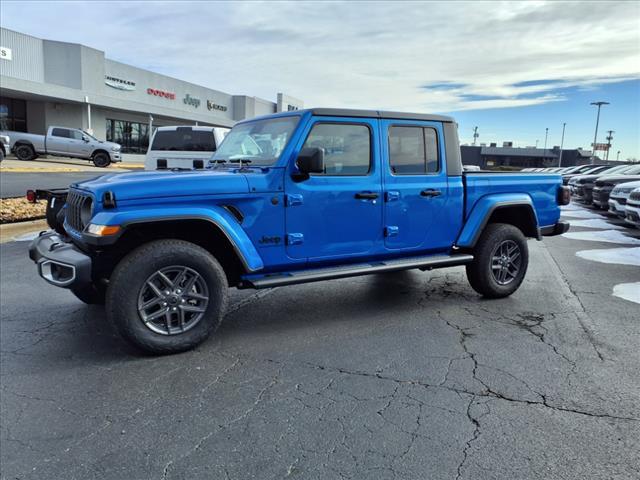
101,160
500,261
167,296
25,152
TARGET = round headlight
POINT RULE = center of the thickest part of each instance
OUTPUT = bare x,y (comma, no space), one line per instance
86,211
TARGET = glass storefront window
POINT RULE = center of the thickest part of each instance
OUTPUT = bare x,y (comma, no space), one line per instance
13,114
133,136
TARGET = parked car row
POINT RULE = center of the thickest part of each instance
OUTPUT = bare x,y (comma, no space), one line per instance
610,188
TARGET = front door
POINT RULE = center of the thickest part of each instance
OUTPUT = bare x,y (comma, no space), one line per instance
415,184
77,146
338,213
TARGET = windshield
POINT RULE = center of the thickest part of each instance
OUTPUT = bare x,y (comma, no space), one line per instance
261,142
89,135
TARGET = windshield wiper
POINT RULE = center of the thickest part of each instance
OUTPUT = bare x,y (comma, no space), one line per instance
240,161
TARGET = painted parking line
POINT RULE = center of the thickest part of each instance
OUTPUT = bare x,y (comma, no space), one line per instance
628,291
618,256
581,214
608,236
595,223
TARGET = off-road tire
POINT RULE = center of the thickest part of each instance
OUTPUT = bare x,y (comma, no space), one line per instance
91,294
129,277
25,152
101,160
480,273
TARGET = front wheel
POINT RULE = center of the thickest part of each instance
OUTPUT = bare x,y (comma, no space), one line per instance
101,160
167,296
500,261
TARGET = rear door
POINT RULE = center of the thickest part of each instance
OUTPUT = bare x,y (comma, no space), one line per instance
58,140
415,185
337,213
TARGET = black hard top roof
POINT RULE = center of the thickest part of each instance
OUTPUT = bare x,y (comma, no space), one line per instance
346,112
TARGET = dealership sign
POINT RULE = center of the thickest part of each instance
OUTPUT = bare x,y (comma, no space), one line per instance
215,106
189,100
161,93
6,53
119,83
601,146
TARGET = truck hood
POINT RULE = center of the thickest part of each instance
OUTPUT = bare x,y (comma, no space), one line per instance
159,184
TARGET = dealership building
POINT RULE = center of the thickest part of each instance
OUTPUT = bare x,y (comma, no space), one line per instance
45,82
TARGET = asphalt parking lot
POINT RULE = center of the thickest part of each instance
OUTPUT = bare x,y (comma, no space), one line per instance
408,375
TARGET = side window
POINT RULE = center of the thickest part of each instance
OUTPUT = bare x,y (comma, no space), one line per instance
60,132
347,147
413,150
406,150
431,144
75,134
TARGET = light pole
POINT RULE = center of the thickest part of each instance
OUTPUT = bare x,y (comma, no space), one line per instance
537,142
546,134
595,136
475,135
609,138
618,156
561,144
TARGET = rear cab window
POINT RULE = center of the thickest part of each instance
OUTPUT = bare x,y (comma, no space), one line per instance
184,140
413,150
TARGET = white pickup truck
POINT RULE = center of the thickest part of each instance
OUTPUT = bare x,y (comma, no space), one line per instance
185,147
64,142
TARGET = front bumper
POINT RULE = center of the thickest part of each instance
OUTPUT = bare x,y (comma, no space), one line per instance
557,229
616,207
115,157
59,262
632,214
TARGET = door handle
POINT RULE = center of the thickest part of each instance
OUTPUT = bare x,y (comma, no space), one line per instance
366,196
430,193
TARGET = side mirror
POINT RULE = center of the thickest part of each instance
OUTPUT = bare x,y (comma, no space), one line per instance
85,138
311,160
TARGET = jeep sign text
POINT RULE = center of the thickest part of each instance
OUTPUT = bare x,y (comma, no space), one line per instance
189,100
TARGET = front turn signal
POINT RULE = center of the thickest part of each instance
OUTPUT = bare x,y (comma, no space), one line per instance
103,230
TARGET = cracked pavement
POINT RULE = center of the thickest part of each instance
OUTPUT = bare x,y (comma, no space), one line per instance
406,375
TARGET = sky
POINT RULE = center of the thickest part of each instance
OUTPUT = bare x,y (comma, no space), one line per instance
511,68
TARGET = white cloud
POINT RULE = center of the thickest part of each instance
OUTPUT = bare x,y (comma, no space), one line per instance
373,55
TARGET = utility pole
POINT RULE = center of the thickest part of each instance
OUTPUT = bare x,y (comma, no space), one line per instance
609,138
561,144
475,135
595,136
546,134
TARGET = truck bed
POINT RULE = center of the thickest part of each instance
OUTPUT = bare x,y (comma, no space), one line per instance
542,188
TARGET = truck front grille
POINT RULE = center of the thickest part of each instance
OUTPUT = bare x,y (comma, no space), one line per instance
75,202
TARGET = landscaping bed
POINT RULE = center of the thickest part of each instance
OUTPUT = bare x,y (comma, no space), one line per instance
19,210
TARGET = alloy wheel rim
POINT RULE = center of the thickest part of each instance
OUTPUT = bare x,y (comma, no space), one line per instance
173,300
506,261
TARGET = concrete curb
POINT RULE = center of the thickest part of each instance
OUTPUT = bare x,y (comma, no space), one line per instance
9,231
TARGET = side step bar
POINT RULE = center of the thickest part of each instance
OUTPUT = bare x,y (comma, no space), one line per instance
331,273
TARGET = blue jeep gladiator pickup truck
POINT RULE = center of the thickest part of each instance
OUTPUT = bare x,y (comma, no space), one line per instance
291,198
